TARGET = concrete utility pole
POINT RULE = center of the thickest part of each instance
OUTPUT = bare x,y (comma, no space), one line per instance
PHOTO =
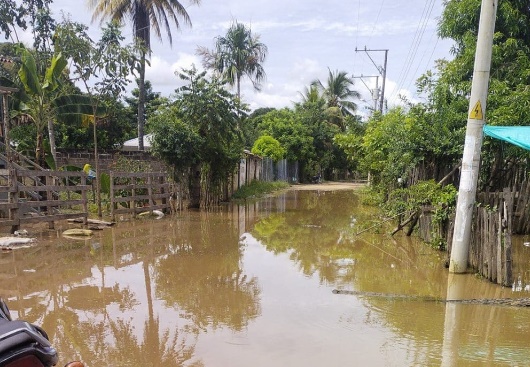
375,91
381,70
473,143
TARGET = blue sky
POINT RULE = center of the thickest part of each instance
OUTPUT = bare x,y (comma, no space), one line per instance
304,39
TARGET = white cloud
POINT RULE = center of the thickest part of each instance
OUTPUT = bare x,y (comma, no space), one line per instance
161,73
302,43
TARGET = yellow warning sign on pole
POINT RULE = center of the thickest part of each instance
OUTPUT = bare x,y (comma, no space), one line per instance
476,112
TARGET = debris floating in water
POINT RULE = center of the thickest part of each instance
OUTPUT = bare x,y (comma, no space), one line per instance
8,242
77,232
21,232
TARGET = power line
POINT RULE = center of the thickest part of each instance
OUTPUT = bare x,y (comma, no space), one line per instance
428,63
377,19
420,30
382,72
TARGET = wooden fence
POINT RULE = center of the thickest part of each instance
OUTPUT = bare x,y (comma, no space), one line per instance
490,249
521,209
134,193
29,196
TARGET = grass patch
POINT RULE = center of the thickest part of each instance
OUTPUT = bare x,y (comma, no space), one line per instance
258,188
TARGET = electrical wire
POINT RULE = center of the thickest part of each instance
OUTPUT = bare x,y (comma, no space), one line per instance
411,55
376,19
415,93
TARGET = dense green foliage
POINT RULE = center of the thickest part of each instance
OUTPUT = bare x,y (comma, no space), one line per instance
267,146
509,79
197,134
204,128
176,142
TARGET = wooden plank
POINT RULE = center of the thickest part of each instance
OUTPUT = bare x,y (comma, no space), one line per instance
50,218
6,206
9,222
49,173
139,186
91,221
54,203
507,276
138,174
10,189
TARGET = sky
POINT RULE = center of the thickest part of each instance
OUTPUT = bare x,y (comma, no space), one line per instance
305,39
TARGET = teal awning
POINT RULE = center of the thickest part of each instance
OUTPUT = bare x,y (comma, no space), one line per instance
517,135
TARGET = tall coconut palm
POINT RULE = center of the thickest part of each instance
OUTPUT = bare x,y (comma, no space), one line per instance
311,94
238,54
338,92
145,15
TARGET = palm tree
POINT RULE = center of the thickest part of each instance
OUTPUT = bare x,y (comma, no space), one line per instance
145,14
311,94
338,92
237,54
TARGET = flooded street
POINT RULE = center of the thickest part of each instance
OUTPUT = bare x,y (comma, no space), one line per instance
252,286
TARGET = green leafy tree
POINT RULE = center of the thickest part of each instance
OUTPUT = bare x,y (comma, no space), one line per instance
177,143
11,16
250,125
145,15
208,144
285,126
153,100
387,153
294,135
267,146
329,158
238,54
107,60
508,86
32,15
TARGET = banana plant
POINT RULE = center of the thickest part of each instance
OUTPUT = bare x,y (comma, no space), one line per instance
41,91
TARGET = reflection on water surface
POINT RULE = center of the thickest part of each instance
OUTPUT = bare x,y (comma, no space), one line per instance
251,286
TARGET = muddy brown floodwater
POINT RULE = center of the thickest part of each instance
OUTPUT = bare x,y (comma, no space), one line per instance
251,285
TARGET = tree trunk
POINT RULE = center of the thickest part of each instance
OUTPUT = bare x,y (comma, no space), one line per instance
239,90
141,103
39,150
51,135
96,161
195,186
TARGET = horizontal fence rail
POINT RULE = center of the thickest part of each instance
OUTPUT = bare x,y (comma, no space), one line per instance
29,196
134,193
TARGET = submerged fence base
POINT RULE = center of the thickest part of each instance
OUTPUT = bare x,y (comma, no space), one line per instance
490,248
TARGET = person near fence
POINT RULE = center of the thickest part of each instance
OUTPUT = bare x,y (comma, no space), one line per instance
90,172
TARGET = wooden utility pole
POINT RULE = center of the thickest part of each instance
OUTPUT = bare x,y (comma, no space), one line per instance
473,142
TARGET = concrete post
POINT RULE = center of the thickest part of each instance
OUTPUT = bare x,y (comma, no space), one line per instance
473,142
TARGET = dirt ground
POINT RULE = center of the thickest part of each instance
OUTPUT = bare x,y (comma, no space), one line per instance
329,186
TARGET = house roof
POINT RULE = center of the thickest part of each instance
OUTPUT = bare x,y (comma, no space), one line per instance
132,144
